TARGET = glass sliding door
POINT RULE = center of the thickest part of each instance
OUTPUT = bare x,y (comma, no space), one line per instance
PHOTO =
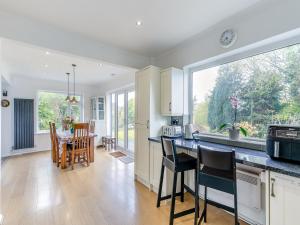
121,120
130,120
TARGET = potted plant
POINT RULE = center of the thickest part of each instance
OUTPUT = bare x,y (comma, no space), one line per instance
234,128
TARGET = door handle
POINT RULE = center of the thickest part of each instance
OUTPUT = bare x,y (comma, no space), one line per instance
147,124
272,187
170,106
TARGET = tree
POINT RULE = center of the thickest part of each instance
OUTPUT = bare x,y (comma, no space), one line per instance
229,83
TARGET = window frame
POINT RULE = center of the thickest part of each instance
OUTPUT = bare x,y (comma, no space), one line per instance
81,105
265,46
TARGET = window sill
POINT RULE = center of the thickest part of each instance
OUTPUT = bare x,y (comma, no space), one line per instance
42,132
259,145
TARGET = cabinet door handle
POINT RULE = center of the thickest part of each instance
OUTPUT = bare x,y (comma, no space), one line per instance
170,106
147,124
272,187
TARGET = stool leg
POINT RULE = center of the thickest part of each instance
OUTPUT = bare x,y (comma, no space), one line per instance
205,203
160,185
182,187
196,198
236,216
173,199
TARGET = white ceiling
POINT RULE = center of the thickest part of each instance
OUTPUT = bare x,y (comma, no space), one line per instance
25,60
166,23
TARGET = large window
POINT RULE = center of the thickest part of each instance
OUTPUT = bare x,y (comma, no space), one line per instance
267,87
52,107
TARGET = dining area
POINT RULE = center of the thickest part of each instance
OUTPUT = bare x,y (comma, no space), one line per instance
73,144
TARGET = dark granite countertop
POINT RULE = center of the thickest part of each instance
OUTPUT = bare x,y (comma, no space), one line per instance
244,156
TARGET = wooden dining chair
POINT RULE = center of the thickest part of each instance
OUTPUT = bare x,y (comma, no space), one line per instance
53,155
56,145
80,144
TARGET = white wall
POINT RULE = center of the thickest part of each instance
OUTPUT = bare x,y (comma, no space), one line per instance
255,24
22,87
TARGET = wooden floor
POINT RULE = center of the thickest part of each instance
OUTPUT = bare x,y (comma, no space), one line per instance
35,192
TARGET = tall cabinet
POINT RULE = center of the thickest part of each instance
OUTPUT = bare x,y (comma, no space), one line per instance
148,119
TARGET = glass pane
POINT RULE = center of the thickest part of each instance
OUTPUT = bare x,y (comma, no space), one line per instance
101,106
101,100
113,115
121,119
101,115
250,93
93,108
130,113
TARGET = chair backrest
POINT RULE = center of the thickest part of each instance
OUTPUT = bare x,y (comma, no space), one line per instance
81,136
51,134
92,126
222,163
52,142
169,148
54,137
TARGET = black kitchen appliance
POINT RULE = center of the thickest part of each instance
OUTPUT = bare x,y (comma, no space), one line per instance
283,142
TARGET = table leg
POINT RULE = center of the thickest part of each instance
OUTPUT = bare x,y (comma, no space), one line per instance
63,155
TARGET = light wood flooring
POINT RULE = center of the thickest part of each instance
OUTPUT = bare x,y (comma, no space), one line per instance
35,192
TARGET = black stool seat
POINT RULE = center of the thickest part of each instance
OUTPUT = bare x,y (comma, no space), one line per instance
177,163
184,162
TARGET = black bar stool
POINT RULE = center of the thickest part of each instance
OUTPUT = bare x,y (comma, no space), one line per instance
216,170
177,163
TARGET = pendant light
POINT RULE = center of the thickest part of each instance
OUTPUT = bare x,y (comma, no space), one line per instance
68,98
74,100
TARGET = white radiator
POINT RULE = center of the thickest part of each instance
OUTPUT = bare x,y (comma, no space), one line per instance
249,189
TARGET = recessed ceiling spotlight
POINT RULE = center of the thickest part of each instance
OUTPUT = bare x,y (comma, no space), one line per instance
46,65
47,53
138,23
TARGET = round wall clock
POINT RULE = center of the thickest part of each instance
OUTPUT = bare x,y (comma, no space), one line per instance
5,103
228,38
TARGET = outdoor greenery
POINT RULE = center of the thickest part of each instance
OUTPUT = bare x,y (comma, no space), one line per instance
267,87
52,107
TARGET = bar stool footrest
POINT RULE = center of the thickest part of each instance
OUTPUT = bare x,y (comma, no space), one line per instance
169,196
218,205
184,213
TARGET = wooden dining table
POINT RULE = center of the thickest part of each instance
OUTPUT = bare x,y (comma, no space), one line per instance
65,137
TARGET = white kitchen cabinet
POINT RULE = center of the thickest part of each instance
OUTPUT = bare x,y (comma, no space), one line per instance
142,154
142,89
148,120
284,199
172,95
